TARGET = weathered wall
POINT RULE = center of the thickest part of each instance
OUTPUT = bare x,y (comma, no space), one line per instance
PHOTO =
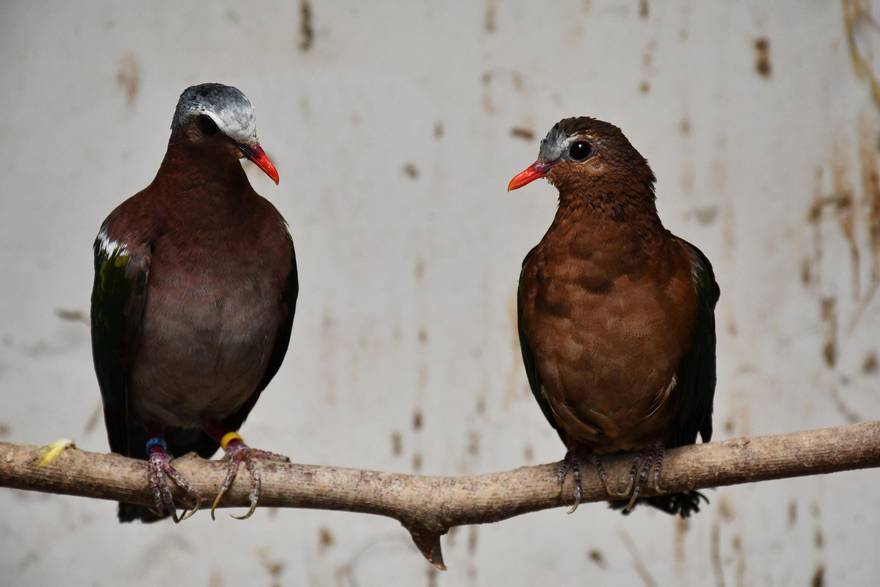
395,127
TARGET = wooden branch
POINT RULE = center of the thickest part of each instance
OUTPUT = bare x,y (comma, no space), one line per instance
429,506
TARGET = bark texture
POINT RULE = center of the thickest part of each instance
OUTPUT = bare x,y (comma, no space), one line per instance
429,506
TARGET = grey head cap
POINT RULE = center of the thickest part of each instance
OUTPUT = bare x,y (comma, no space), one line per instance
227,106
554,146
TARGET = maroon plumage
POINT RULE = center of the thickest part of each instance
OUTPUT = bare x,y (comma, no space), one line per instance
194,296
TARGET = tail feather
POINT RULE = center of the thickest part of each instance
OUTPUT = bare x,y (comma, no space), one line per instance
676,504
130,512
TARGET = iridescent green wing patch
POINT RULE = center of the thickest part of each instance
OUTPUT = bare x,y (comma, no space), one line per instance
118,296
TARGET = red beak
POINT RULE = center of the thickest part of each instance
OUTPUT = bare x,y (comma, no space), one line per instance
536,170
261,160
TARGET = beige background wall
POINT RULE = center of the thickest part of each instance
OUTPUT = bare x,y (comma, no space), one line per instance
395,127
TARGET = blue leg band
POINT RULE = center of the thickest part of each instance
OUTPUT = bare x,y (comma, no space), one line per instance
156,441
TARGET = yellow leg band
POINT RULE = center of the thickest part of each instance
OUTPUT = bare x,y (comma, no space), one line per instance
229,437
54,450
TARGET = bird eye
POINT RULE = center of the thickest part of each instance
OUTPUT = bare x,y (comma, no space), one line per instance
206,125
580,150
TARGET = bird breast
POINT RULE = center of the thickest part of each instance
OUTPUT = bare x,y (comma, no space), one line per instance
209,325
608,324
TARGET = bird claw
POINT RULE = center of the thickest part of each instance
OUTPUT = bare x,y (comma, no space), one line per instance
659,452
572,464
642,466
238,453
160,469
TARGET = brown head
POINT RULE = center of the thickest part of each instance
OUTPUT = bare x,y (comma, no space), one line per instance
219,121
590,160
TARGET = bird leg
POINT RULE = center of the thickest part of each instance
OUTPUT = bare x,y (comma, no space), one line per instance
237,452
571,463
160,468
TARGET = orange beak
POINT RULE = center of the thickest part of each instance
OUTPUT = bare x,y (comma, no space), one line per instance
260,159
536,170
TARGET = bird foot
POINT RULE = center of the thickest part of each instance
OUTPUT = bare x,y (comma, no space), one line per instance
237,452
160,470
571,463
642,466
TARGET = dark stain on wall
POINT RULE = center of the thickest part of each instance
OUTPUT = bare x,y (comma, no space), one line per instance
472,540
596,557
489,20
869,366
762,57
684,127
818,576
473,446
306,28
128,78
529,454
325,539
72,315
488,103
828,315
396,444
410,170
521,132
275,568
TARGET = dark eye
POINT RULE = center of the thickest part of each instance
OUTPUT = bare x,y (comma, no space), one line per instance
206,125
580,150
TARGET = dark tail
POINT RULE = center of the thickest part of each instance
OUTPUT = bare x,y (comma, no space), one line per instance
129,512
675,504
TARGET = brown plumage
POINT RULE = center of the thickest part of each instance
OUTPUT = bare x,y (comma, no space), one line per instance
612,323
